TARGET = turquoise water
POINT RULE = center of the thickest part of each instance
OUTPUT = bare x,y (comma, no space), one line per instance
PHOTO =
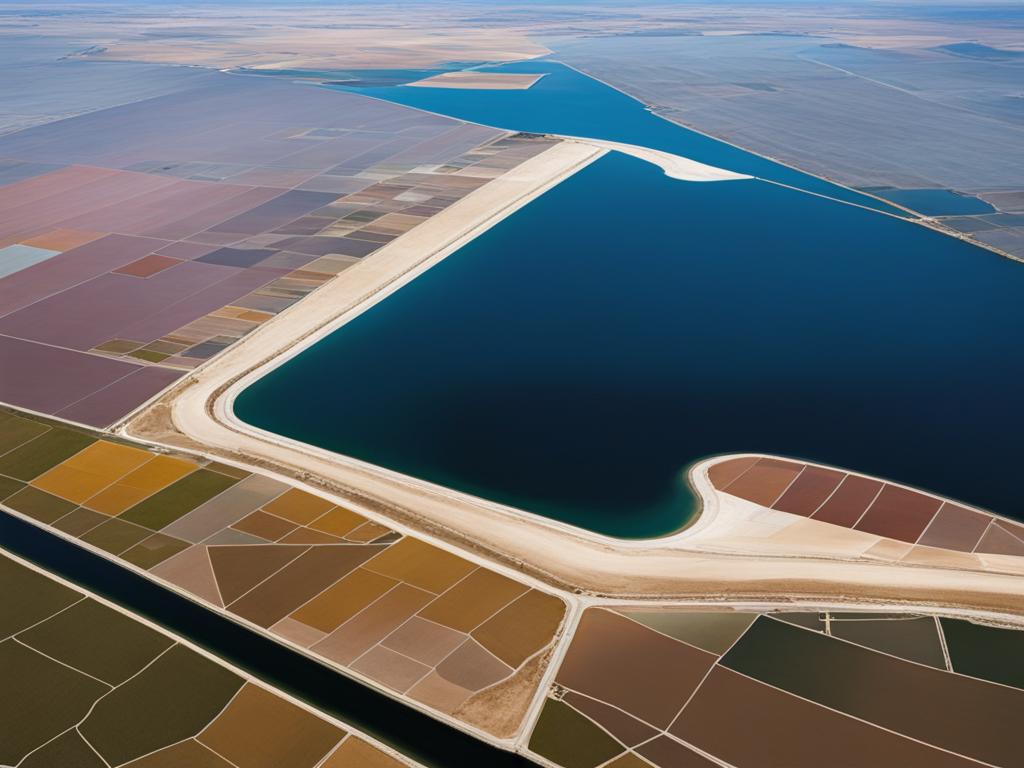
569,103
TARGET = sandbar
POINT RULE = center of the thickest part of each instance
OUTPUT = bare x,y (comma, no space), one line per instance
474,80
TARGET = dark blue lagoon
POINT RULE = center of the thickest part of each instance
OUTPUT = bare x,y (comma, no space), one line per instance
577,357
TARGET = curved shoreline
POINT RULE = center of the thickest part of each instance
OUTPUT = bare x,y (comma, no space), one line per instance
686,565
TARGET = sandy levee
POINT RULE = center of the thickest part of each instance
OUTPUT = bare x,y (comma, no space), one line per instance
721,557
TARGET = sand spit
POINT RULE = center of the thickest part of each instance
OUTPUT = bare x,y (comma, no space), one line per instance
692,565
675,166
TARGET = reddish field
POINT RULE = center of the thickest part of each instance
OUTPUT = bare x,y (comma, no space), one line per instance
853,501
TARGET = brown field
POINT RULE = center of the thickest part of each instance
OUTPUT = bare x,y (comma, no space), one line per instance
472,600
779,690
421,565
336,605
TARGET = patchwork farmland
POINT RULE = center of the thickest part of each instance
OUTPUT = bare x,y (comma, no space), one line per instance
919,520
643,687
139,241
393,609
90,686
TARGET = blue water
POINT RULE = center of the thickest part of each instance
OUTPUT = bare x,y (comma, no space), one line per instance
570,103
577,357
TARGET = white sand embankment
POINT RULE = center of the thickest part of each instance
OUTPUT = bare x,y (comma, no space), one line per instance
675,166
